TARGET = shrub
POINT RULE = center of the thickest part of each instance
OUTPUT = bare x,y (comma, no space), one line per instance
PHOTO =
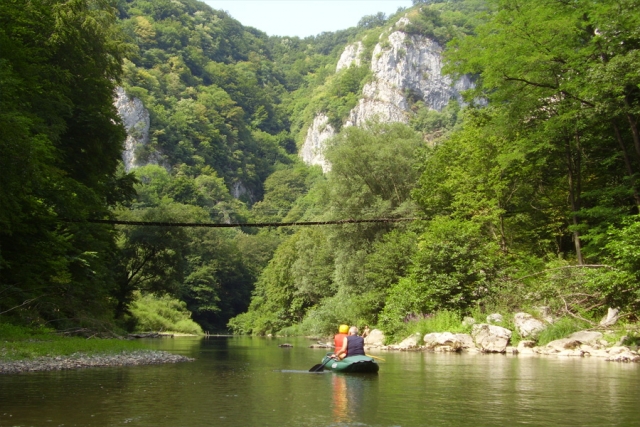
454,268
442,321
163,313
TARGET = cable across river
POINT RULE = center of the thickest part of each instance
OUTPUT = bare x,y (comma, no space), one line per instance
255,225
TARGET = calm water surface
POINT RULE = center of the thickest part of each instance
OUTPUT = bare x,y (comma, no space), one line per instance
243,381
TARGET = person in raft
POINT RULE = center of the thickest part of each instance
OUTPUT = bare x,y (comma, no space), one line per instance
353,345
340,338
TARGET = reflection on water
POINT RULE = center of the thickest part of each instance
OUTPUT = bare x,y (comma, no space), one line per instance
349,392
244,381
340,399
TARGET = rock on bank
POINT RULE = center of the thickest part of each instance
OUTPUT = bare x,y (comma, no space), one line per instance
77,361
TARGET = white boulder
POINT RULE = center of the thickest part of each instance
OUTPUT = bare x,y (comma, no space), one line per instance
526,347
375,338
586,337
527,325
444,341
411,342
622,354
491,338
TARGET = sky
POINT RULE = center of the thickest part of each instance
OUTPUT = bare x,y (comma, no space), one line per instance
304,18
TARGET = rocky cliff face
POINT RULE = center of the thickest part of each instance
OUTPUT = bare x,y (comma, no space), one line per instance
319,131
136,122
402,64
135,118
350,55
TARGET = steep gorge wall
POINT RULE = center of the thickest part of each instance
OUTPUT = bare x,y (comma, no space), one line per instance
402,64
135,119
319,131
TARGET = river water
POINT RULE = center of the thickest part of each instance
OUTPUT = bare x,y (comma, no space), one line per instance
245,381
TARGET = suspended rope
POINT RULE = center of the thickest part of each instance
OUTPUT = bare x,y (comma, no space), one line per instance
255,225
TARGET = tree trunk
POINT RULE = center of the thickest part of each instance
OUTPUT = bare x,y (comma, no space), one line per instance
633,124
574,196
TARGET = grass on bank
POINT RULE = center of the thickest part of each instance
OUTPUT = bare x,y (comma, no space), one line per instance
19,342
149,313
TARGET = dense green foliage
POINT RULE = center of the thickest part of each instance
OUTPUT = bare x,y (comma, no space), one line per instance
59,153
324,275
530,200
153,313
527,193
213,97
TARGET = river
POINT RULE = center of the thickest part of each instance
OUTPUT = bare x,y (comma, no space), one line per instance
245,381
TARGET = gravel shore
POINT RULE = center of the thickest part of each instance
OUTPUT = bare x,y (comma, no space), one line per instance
78,361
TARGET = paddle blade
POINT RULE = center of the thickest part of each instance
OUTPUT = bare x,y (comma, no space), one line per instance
317,368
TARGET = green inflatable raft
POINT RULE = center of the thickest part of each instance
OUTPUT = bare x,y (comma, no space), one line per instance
360,364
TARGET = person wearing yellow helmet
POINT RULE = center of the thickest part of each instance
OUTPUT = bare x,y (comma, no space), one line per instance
340,337
352,344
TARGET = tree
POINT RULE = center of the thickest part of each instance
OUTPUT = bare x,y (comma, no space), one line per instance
204,268
60,146
452,269
371,21
316,272
152,259
548,66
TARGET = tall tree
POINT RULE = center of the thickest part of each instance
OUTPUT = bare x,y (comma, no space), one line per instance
60,144
565,76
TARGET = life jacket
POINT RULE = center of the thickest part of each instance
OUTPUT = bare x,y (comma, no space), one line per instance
355,345
338,340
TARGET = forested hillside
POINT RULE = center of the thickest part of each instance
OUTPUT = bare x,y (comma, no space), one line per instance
525,193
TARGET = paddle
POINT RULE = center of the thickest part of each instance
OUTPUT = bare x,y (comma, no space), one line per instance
374,357
320,366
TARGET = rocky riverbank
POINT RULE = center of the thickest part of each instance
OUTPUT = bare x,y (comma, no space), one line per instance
78,361
491,338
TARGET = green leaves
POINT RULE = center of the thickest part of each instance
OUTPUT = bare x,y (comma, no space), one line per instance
372,169
153,313
453,268
318,273
60,145
211,89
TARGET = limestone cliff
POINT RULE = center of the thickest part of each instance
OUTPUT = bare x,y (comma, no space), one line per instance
135,118
401,64
319,131
351,55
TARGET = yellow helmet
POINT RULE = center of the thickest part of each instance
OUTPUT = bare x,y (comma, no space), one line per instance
343,329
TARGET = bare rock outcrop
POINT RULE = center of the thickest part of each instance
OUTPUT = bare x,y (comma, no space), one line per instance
404,66
528,326
491,338
351,55
313,147
375,338
135,118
